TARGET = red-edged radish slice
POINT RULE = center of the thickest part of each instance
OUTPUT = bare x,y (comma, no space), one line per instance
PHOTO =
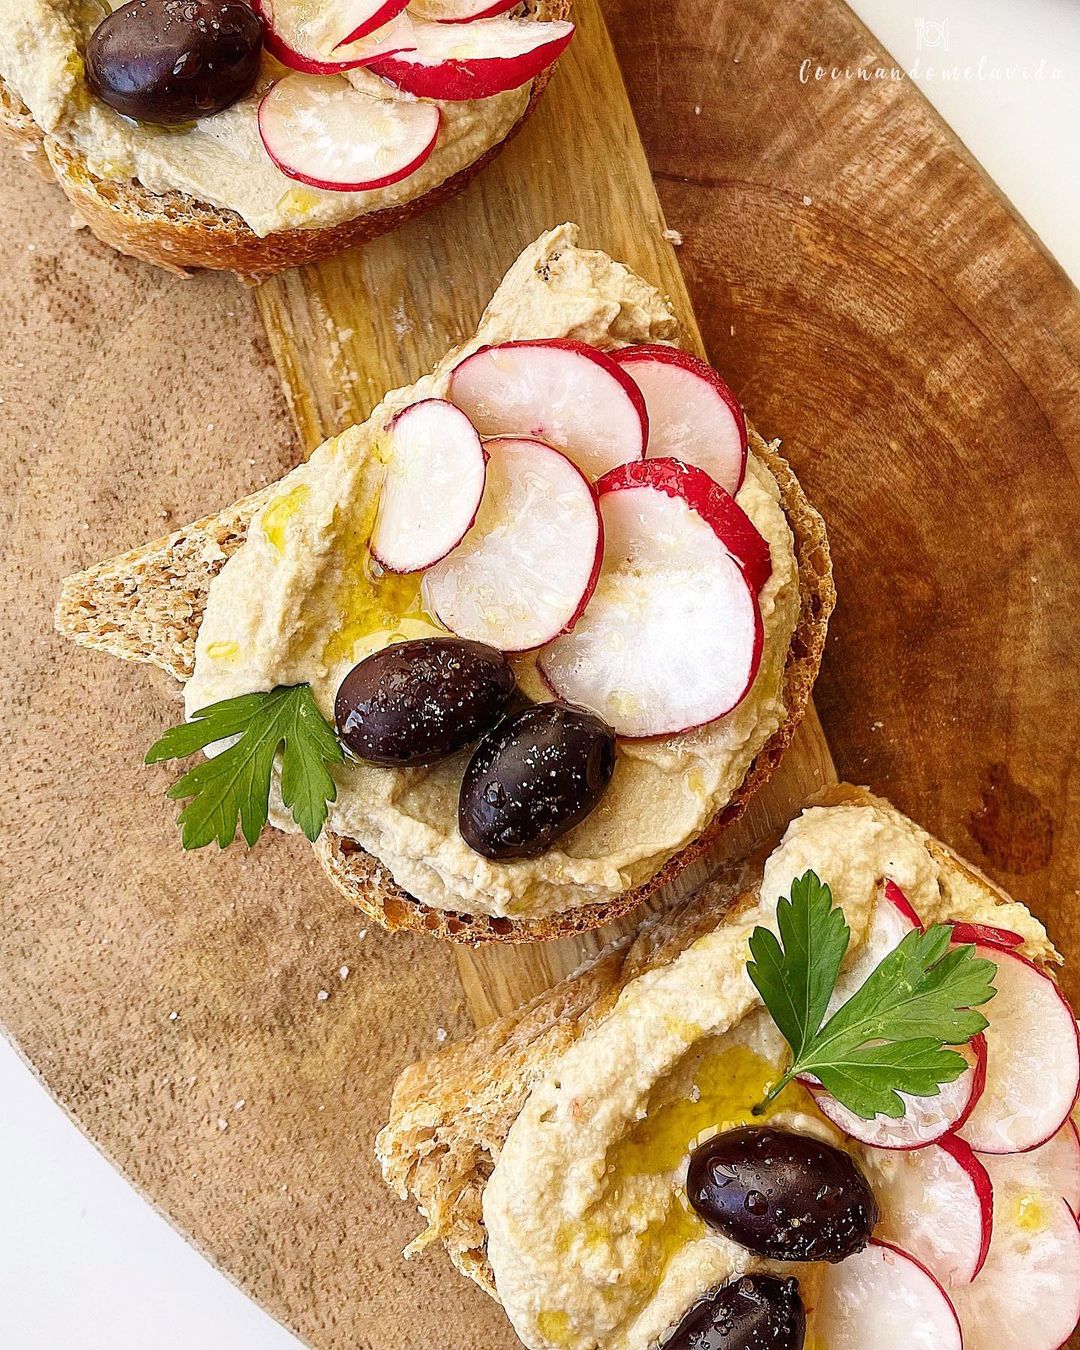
555,390
1033,1060
693,415
433,486
1028,1294
1053,1167
937,1204
477,60
300,39
319,130
896,897
984,934
742,537
672,638
883,1299
349,20
926,1120
459,11
528,566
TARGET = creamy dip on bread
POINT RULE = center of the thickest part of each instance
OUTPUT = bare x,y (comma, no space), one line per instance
220,159
299,602
589,1236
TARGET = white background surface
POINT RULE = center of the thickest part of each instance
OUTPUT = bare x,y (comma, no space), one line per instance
84,1263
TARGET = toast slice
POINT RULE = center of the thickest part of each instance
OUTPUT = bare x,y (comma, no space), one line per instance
450,1114
181,234
147,605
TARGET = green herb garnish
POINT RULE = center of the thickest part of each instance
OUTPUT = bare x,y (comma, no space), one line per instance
890,1035
235,785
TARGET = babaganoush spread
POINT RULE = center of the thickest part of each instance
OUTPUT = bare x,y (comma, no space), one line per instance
590,1235
301,602
218,159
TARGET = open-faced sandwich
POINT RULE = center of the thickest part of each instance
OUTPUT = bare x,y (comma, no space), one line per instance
256,136
827,1102
515,650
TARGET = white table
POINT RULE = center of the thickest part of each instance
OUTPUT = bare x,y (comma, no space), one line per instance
85,1264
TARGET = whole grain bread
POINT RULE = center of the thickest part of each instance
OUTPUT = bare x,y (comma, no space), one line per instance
450,1114
182,234
147,605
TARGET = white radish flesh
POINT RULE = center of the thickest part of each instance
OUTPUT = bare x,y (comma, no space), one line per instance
1053,1168
883,1299
459,11
1033,1059
672,638
562,392
1028,1292
937,1204
323,132
474,60
925,1119
527,568
304,39
433,486
693,415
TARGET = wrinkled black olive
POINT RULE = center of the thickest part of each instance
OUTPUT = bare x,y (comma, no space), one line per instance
173,61
533,778
418,702
757,1312
785,1196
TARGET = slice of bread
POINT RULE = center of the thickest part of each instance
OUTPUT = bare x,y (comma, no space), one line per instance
179,233
451,1113
147,605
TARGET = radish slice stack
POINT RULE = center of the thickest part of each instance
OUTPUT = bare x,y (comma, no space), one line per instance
450,50
980,1195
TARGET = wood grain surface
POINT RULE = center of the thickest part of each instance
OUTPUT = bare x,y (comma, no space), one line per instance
874,302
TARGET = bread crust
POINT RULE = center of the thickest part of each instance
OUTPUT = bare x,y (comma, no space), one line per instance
147,605
450,1114
181,234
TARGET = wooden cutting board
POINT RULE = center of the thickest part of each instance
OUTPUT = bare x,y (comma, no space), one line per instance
218,1023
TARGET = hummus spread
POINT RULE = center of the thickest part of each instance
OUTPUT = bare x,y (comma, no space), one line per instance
301,602
218,159
589,1236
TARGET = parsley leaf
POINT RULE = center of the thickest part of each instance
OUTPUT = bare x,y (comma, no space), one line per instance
891,1034
235,784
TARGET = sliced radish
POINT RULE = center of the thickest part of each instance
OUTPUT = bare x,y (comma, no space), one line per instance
1053,1167
926,1120
321,131
742,537
302,39
555,390
1028,1294
477,60
459,11
896,897
984,934
434,483
937,1204
883,1299
527,568
1033,1061
693,415
672,638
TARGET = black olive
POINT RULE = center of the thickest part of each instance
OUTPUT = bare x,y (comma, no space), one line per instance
533,778
420,701
757,1312
172,61
785,1196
